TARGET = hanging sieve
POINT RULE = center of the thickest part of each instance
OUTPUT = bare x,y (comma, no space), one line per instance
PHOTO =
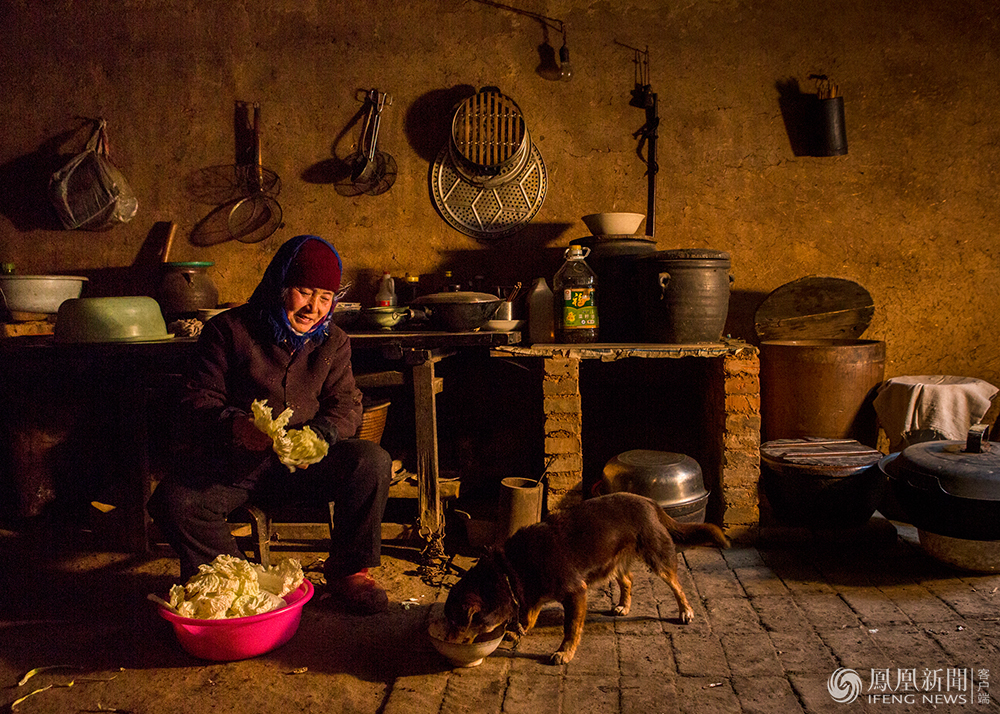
259,214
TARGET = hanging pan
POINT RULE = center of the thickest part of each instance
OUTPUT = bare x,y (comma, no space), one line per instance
258,215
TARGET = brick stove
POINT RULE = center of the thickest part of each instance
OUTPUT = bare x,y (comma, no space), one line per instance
730,421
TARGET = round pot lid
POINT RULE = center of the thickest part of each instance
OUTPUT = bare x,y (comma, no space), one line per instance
832,454
688,254
966,469
458,297
813,308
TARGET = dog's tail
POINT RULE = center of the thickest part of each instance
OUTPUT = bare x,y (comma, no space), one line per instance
693,533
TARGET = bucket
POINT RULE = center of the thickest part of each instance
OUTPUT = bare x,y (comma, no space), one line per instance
822,388
520,505
683,295
832,134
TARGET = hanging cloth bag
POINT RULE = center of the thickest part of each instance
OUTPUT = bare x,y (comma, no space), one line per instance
90,192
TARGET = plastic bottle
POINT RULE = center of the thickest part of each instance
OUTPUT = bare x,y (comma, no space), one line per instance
575,298
409,290
540,313
386,295
449,284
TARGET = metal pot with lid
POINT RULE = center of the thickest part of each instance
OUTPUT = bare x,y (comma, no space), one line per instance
951,488
458,311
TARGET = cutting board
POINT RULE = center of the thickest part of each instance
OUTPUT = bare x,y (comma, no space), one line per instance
815,308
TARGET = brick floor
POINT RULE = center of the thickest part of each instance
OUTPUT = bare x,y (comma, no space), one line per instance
772,623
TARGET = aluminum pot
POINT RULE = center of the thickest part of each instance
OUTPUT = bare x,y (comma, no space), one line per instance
674,481
458,311
667,478
951,488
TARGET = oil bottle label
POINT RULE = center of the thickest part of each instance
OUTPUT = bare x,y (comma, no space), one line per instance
579,310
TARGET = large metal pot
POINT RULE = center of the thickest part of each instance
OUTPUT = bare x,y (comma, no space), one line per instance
672,480
458,311
951,488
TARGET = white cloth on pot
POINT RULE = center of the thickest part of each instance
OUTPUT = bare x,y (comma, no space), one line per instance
945,404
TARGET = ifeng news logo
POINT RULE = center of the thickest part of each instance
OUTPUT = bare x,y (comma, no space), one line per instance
952,685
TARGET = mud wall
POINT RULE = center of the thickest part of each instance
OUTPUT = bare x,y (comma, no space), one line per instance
909,211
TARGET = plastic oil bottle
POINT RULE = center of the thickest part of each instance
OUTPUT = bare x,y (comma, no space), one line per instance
574,290
386,295
540,323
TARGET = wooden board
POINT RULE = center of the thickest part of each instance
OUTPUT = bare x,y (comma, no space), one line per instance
815,308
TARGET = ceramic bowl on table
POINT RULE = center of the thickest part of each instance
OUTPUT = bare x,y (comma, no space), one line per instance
237,638
613,224
505,325
110,319
206,314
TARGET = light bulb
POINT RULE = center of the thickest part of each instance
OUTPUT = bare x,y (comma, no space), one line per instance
565,65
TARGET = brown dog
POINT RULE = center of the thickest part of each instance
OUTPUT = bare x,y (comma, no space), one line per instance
558,560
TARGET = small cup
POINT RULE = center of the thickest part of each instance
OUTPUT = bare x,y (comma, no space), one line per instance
505,311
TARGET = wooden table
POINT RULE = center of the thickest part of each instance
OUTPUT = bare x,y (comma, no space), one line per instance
422,351
132,371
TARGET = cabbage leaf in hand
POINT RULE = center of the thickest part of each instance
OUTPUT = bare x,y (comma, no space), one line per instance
294,447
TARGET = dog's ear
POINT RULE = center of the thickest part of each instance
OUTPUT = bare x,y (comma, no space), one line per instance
474,606
486,552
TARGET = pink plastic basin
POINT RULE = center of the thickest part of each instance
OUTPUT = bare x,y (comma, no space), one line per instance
241,637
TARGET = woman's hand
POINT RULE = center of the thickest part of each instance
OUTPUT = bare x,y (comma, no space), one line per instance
248,436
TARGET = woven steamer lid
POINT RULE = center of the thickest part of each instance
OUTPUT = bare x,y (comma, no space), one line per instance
826,457
488,130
